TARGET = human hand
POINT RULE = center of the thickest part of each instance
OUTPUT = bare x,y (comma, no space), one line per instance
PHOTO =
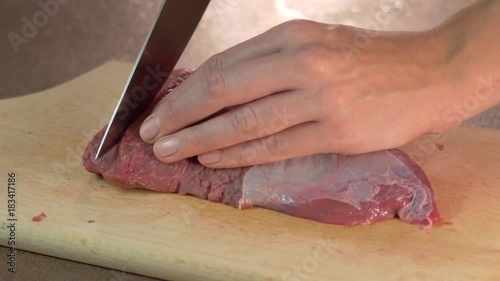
303,88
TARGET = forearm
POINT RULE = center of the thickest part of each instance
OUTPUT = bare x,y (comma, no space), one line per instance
473,63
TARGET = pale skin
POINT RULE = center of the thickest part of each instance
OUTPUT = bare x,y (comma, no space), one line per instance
305,87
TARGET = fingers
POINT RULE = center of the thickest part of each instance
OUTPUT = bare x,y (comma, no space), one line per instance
252,121
243,73
213,88
263,45
297,141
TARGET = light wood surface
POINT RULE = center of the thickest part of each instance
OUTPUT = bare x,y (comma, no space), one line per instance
182,238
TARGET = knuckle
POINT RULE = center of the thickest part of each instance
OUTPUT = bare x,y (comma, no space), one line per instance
274,144
166,111
216,62
195,138
216,84
315,60
244,120
297,30
214,75
247,152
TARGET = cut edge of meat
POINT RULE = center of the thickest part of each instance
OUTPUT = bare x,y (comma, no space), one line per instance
434,216
223,190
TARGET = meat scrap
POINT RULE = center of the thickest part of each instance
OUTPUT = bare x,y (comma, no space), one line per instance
331,188
39,218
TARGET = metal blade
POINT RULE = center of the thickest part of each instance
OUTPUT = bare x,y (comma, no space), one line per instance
164,45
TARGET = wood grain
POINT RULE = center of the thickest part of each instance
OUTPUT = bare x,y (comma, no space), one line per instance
182,238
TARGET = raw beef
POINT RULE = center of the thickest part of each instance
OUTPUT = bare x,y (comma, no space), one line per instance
330,188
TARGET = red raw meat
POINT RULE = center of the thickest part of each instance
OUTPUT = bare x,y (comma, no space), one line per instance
331,188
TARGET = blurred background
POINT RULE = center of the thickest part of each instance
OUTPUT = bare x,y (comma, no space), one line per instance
82,35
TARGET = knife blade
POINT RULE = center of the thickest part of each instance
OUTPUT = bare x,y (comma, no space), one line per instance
171,32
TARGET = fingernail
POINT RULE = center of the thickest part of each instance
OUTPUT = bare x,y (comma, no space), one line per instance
211,157
167,147
150,128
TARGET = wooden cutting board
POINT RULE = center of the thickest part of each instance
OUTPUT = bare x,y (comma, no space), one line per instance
182,238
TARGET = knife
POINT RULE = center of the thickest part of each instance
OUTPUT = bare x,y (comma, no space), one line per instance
171,31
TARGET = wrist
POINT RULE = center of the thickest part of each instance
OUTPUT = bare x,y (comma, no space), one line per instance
475,37
467,45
